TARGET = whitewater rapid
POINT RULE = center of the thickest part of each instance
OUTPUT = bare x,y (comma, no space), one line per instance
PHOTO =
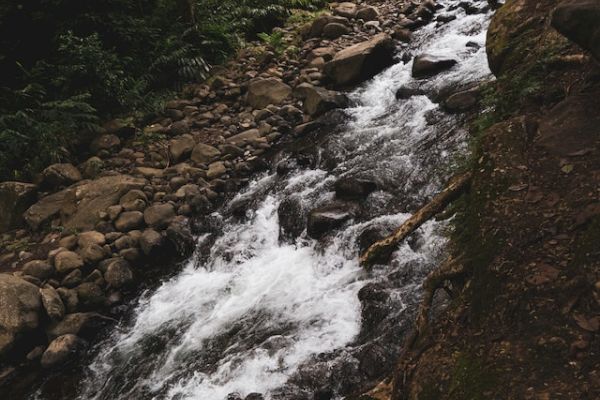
259,308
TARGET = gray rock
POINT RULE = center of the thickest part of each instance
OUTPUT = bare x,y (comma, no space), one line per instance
324,219
318,100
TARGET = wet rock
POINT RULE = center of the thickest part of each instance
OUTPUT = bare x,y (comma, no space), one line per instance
462,101
181,147
349,188
15,198
52,303
19,311
118,274
324,219
150,242
57,175
181,239
66,261
578,21
318,100
291,218
159,215
204,154
254,396
361,61
426,65
373,298
84,202
346,9
129,220
39,269
334,30
262,92
405,93
61,350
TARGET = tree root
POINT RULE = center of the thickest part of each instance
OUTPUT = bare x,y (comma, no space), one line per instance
450,270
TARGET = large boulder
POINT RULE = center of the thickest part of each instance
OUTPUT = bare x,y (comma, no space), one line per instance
58,175
361,61
579,20
262,92
20,304
79,205
426,65
318,100
15,198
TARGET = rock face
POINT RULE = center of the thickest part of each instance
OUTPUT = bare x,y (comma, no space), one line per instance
79,205
58,175
361,61
579,20
426,65
19,309
263,92
15,198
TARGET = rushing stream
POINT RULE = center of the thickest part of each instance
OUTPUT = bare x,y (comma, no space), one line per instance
283,317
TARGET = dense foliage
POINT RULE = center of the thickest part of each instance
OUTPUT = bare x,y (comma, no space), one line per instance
67,64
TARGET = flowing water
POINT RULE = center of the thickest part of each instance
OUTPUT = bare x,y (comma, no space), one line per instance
283,317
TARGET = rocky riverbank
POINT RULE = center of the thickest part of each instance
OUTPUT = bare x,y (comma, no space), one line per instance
524,271
84,238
